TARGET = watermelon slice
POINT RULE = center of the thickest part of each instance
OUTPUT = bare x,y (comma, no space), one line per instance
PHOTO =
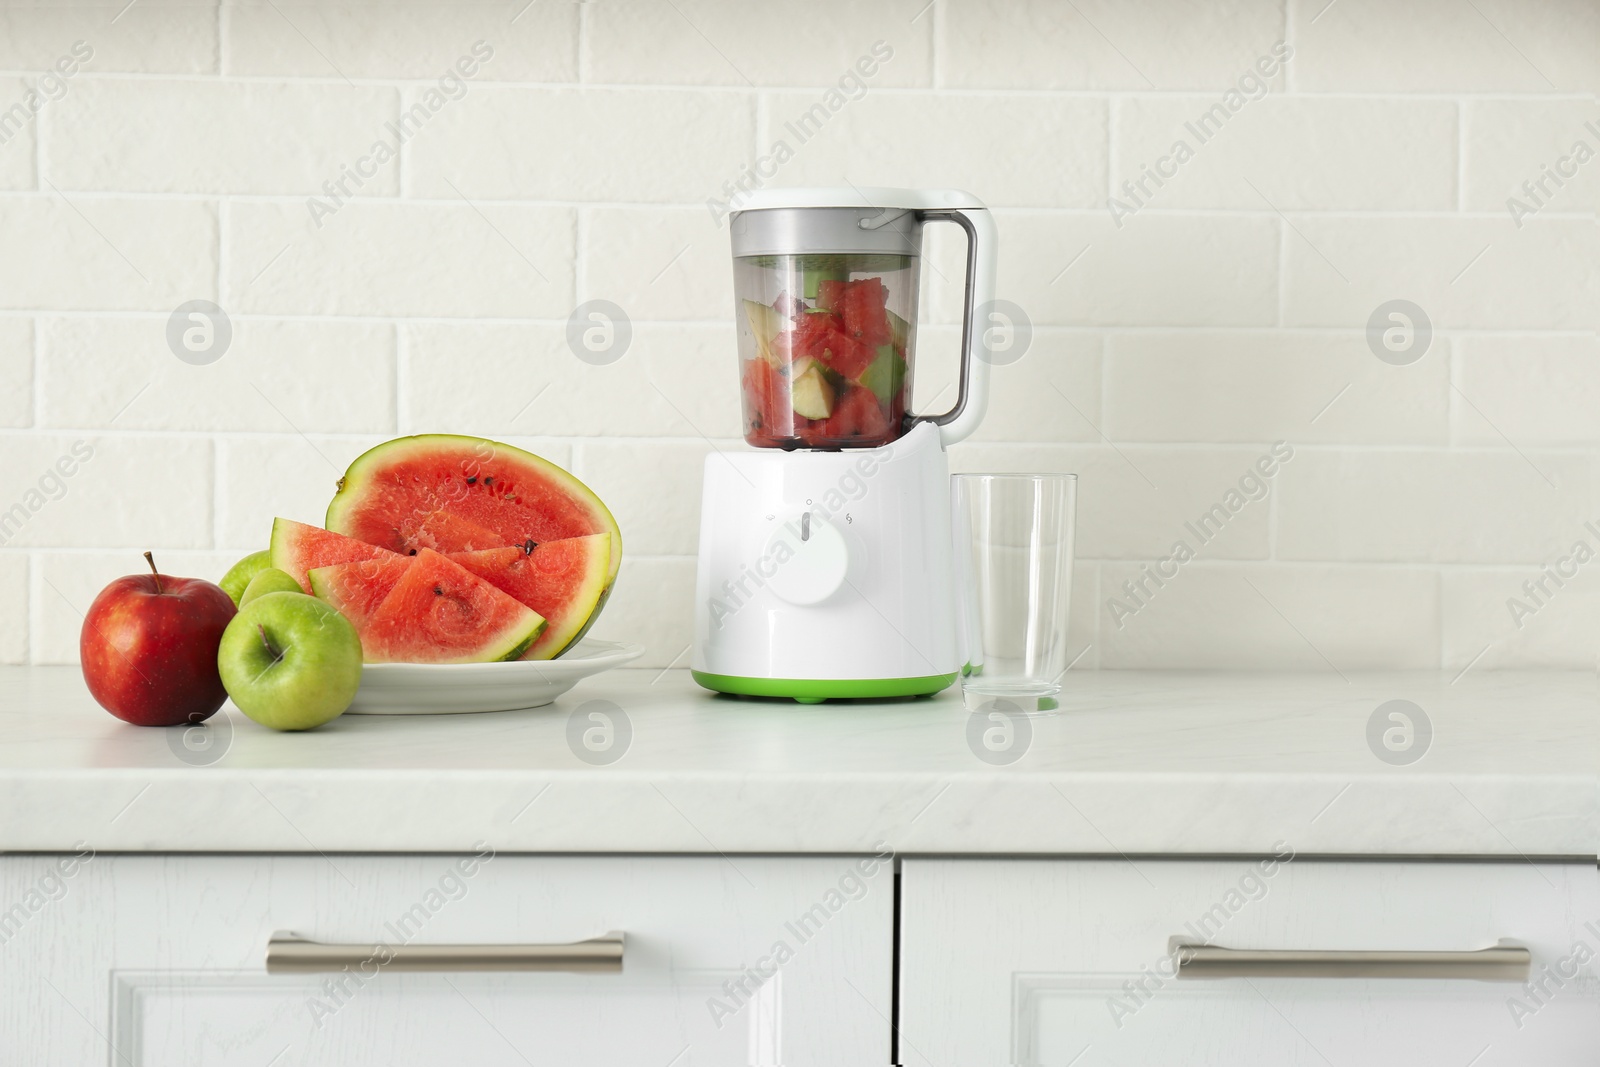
438,612
861,304
357,589
297,547
561,580
392,496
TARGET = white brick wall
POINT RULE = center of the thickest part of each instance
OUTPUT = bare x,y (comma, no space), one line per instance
1172,346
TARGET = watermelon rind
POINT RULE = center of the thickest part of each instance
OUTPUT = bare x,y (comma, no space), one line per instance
363,474
594,613
316,577
517,653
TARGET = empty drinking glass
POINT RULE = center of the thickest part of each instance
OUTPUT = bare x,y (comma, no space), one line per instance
1014,540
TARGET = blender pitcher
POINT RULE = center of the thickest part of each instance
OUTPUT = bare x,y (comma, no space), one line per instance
826,295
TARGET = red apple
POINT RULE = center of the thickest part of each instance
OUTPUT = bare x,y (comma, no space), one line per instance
149,648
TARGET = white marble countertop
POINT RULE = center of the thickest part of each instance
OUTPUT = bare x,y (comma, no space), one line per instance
1132,763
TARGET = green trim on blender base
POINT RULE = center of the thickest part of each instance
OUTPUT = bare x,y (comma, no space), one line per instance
814,691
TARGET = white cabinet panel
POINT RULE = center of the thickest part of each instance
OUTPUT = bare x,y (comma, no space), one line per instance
150,961
1068,962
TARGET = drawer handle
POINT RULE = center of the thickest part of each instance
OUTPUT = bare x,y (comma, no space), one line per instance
1505,962
289,953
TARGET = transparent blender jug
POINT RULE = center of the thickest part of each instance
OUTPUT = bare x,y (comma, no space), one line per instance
827,319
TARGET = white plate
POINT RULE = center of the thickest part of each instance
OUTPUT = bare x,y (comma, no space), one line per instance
453,688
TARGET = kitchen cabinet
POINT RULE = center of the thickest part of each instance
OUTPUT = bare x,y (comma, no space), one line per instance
151,961
1070,962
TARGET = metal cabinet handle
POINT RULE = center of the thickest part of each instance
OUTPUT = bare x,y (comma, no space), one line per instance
1505,962
289,953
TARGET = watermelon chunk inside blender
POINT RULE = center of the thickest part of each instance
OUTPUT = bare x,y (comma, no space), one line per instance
827,372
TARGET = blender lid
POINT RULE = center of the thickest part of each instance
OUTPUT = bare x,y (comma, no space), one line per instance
853,197
842,220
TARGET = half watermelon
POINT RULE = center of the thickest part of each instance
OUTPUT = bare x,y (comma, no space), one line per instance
398,495
297,547
560,580
438,612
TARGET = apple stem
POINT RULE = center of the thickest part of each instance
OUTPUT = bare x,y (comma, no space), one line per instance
148,558
274,653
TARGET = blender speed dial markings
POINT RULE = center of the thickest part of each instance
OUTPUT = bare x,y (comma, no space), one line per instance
815,559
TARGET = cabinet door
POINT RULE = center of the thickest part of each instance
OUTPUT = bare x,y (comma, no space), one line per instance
1070,962
151,960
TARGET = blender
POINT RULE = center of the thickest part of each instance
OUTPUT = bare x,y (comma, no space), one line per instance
826,565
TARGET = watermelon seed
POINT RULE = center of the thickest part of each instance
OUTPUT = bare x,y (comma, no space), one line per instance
472,480
488,481
413,552
437,591
528,546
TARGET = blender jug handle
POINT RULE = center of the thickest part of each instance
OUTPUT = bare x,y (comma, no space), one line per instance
960,421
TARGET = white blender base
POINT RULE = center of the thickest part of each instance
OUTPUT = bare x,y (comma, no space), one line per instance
827,574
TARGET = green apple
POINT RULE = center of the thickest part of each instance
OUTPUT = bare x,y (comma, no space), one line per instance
240,573
766,324
269,580
885,374
811,280
900,328
810,394
290,661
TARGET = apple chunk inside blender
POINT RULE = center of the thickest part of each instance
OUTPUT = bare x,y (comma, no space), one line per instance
811,394
766,323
